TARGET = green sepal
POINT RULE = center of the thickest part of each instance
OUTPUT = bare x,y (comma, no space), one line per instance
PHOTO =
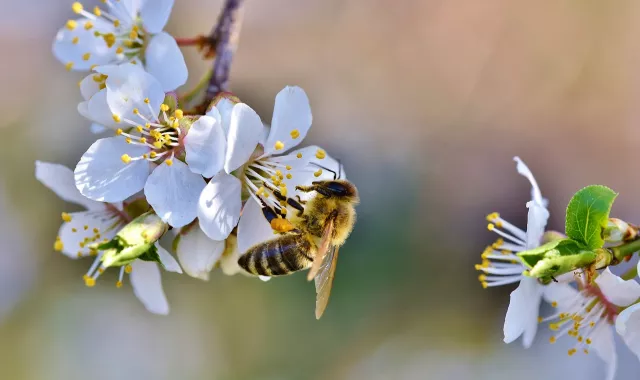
588,214
172,101
136,208
555,258
151,254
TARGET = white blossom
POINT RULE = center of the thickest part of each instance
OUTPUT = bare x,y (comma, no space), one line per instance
99,224
123,31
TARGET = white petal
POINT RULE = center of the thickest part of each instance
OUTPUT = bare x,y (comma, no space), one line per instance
73,234
197,253
127,88
205,146
604,345
223,108
147,286
244,134
155,14
173,192
229,263
97,109
96,128
89,87
536,195
559,292
166,259
59,179
253,227
164,61
73,45
303,169
291,112
102,176
219,206
617,290
522,314
628,326
264,278
536,223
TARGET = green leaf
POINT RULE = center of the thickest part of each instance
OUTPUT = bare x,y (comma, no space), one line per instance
588,213
556,258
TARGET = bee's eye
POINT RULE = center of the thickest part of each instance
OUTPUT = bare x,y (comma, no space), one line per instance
337,188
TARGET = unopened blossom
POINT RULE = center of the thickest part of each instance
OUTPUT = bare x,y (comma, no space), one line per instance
82,231
501,266
123,31
588,315
260,166
149,147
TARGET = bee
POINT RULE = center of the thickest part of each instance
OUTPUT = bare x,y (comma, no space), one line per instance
310,239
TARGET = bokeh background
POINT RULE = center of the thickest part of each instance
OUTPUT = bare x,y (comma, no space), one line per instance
426,102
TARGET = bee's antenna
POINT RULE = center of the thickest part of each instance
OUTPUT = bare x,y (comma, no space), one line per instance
335,175
339,169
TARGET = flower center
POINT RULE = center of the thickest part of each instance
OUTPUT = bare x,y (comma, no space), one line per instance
265,179
581,316
162,136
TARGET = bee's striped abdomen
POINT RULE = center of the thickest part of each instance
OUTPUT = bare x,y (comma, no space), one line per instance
280,256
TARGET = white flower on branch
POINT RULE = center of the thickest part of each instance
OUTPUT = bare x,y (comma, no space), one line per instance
100,223
124,31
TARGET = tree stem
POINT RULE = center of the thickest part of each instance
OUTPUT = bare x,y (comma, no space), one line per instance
226,34
622,251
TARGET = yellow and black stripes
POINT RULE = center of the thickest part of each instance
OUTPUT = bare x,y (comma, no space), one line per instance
280,256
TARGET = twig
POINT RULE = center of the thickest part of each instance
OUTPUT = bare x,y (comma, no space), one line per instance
226,34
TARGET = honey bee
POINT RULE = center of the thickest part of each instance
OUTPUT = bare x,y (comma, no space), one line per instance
310,239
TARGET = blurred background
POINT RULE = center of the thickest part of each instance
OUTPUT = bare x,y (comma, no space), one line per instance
426,102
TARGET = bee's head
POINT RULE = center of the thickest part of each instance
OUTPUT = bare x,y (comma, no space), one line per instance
337,188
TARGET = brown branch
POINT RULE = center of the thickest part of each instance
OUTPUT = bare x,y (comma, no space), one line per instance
225,34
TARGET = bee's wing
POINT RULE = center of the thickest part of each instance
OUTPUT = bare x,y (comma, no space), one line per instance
322,250
324,281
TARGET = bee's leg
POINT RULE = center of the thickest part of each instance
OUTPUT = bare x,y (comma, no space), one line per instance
278,222
307,189
291,202
279,197
300,200
268,212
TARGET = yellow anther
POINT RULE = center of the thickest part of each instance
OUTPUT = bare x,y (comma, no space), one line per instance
119,284
491,226
79,254
572,351
260,191
71,24
506,251
540,319
139,128
288,167
585,351
127,43
119,50
128,140
116,118
88,25
179,114
498,243
133,35
592,324
128,268
116,23
493,216
580,338
552,339
86,56
143,140
109,39
66,217
153,154
279,145
75,40
58,245
158,144
76,7
100,270
299,155
318,173
164,107
119,131
74,230
295,134
93,67
484,285
283,190
554,304
168,161
135,111
125,158
588,341
283,211
320,154
176,124
279,174
97,11
289,176
90,281
482,277
85,227
68,66
273,178
554,326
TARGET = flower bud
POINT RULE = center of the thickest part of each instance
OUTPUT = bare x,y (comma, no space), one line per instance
618,230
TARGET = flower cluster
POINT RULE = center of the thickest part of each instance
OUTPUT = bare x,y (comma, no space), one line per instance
166,172
591,304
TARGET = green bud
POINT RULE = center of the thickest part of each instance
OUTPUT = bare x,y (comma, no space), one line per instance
556,258
135,241
617,231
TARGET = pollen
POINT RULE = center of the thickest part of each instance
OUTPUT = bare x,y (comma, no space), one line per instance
153,154
554,326
133,35
128,268
169,162
554,304
128,140
135,111
586,351
288,167
491,226
289,176
58,245
119,131
68,66
320,154
116,23
318,173
66,217
299,155
588,341
71,24
97,11
164,107
116,118
279,145
76,7
86,56
119,50
552,339
89,281
125,158
88,25
493,216
75,40
119,284
283,191
109,39
540,319
572,351
179,114
295,134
